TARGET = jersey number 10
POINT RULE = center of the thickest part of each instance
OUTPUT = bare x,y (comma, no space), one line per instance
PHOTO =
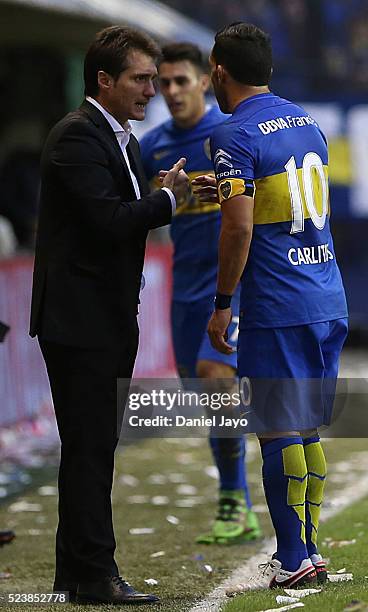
312,168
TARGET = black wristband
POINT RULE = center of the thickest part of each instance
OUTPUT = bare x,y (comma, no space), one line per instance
222,301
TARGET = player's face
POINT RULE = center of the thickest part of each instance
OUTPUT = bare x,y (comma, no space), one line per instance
183,88
218,86
127,96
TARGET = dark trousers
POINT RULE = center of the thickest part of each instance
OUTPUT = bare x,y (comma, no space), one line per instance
83,385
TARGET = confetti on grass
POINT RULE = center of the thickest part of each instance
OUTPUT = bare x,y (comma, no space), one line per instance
299,593
339,577
24,506
141,530
160,500
129,480
177,478
189,502
284,608
340,543
186,489
47,491
138,499
285,599
157,479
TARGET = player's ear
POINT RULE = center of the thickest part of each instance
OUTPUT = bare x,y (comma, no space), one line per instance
104,80
205,82
221,73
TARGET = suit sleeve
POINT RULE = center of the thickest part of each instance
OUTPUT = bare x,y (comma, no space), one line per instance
80,164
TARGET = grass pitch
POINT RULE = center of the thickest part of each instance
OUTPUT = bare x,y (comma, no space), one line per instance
349,525
170,478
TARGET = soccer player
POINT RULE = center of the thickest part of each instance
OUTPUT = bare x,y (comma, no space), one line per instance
275,236
184,80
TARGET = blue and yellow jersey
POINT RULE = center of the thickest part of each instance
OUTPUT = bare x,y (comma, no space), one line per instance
291,277
196,225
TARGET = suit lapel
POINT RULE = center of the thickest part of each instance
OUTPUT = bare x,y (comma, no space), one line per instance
136,165
99,120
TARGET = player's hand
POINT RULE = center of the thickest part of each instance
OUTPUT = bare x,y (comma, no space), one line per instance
205,188
167,177
176,179
217,330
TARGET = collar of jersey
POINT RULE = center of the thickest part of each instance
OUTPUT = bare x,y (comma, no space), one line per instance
244,103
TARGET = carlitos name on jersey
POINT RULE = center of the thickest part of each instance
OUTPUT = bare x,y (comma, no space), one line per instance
282,123
310,255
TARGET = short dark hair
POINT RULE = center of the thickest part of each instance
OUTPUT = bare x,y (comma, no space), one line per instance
109,52
246,53
184,51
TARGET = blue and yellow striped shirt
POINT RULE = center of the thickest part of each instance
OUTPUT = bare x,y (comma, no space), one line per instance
291,277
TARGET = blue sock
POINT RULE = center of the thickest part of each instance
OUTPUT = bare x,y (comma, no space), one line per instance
316,465
285,482
229,456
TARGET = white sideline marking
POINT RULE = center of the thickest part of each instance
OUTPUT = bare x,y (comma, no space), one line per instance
355,491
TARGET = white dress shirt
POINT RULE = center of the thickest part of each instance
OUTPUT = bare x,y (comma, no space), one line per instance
122,133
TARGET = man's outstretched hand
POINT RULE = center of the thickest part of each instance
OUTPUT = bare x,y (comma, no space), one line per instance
176,179
205,188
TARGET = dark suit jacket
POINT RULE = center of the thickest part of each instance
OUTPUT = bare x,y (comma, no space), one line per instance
91,234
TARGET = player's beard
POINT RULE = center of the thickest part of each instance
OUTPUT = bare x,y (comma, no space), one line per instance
222,100
221,96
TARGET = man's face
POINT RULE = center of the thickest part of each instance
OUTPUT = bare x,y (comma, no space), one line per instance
127,96
183,88
218,86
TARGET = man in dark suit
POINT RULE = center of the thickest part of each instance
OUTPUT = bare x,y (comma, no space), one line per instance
95,212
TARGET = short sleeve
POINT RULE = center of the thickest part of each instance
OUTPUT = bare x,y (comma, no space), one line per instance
233,160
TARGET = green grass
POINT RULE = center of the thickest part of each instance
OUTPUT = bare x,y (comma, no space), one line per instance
348,525
182,579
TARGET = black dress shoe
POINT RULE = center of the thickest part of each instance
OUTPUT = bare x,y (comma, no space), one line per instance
112,590
65,586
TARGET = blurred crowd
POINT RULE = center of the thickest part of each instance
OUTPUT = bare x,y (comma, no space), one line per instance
320,44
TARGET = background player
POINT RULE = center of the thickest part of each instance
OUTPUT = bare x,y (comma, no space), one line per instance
184,80
275,228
